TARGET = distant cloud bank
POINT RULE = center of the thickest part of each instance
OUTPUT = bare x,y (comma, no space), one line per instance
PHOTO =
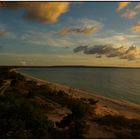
110,51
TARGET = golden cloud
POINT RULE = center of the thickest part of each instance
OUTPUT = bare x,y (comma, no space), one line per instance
137,6
85,30
136,28
45,12
122,5
130,13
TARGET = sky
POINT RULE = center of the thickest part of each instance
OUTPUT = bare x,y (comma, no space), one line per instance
70,33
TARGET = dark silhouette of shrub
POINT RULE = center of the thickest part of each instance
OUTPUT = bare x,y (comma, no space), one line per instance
19,119
66,121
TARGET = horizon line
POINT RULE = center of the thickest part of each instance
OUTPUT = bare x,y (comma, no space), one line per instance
84,66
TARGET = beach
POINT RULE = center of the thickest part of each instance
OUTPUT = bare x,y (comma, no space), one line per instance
105,105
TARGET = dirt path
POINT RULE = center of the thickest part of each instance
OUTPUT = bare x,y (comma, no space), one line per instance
4,87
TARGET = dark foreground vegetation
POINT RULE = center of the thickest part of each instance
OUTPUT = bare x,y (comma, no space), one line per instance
21,116
25,105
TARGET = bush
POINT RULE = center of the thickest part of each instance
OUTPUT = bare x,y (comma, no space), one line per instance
19,119
92,101
61,93
31,94
1,81
123,135
66,121
76,130
119,121
112,120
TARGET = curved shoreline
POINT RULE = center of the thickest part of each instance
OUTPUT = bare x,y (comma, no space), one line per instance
104,106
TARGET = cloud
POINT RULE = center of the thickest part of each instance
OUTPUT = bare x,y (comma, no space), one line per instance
3,31
137,7
81,26
130,13
86,30
80,48
110,51
136,28
122,5
45,12
55,41
23,63
46,39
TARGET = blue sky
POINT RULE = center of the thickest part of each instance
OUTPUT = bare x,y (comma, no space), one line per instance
47,33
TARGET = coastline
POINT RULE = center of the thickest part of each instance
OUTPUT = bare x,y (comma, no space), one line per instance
105,105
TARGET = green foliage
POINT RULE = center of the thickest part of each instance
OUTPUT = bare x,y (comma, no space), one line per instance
19,119
66,121
76,126
112,120
78,108
123,135
61,93
92,101
16,76
123,127
78,129
75,130
31,85
13,83
119,121
31,94
5,73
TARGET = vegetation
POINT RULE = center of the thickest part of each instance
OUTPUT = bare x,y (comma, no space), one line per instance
22,117
131,126
24,112
73,124
19,119
119,121
1,81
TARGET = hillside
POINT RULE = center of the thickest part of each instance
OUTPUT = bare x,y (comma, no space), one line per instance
32,110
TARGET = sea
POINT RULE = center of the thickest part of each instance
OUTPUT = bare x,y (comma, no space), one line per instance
115,83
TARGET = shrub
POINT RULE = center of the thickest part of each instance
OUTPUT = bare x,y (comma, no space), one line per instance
66,121
92,101
19,119
1,81
119,121
112,120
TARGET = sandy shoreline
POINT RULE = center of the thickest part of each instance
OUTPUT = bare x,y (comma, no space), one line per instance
104,106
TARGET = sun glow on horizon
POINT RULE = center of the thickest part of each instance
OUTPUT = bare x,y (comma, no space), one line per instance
65,33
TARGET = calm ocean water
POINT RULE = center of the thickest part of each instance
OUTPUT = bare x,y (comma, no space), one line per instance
110,82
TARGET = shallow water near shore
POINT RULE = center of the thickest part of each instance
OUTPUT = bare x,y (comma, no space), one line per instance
115,83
